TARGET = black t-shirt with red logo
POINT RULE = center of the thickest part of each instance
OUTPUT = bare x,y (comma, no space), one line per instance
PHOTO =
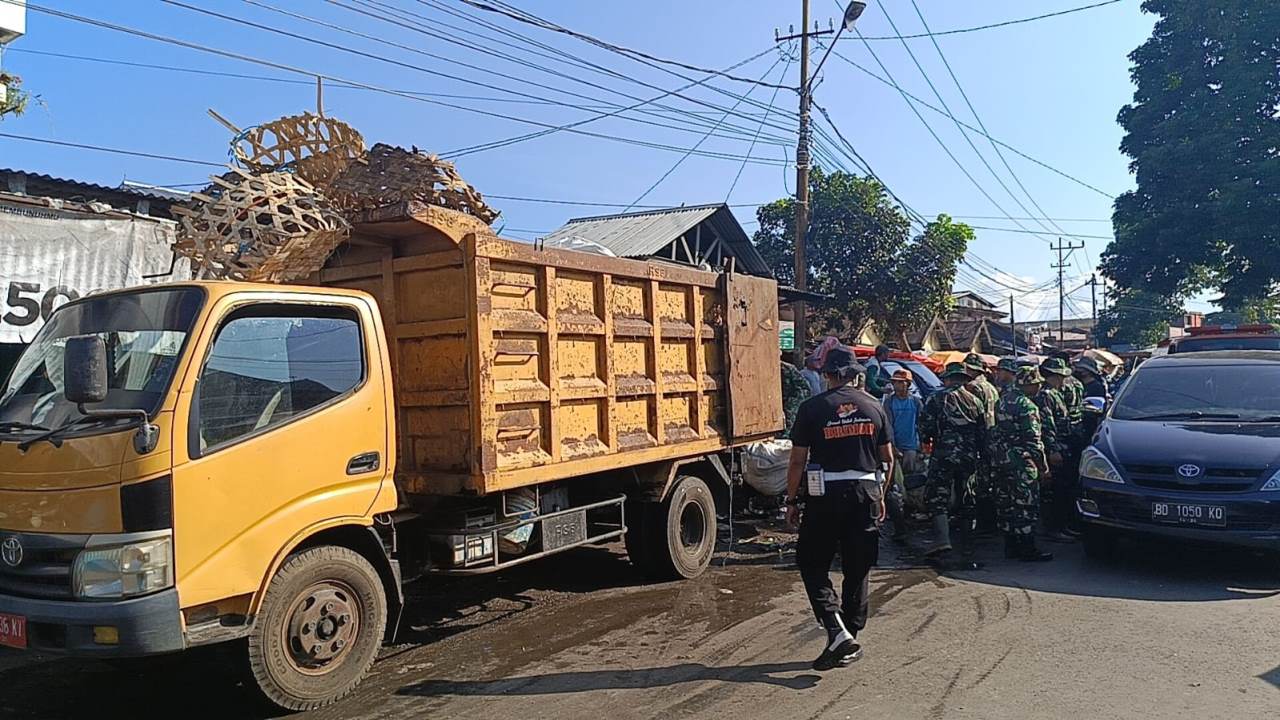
843,428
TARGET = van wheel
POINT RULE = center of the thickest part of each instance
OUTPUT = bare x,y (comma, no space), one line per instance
319,628
1100,544
677,537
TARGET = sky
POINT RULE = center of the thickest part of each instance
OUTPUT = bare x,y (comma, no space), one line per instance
1050,89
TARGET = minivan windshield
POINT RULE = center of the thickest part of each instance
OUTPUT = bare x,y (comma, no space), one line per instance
144,333
1194,391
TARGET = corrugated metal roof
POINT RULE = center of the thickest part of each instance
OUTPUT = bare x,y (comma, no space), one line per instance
163,194
642,234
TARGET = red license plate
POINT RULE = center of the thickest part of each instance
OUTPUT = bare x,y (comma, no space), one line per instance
13,631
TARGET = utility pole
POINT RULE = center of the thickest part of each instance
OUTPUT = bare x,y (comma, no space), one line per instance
1013,328
1093,300
1062,291
851,13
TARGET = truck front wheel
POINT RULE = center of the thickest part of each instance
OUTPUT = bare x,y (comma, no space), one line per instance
319,628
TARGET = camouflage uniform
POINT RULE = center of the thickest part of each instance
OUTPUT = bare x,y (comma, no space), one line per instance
1055,423
795,390
1019,458
1061,438
955,423
1073,396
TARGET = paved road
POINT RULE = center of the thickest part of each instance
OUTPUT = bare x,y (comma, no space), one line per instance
1165,633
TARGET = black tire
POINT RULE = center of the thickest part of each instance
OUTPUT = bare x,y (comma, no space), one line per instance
680,532
333,599
1100,544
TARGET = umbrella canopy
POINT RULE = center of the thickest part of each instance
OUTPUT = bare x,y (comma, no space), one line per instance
1105,358
956,356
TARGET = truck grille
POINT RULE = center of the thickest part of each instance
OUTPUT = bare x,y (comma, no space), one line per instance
45,569
1214,480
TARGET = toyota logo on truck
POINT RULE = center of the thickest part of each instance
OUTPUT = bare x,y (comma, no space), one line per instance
11,551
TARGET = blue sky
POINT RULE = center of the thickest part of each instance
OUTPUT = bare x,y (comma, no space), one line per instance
1050,88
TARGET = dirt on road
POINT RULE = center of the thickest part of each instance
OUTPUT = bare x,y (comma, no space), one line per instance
1166,632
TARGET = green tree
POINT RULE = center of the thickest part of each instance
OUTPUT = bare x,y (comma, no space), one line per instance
15,99
1202,133
860,251
1137,317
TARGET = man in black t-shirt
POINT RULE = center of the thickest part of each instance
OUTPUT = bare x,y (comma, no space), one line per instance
841,462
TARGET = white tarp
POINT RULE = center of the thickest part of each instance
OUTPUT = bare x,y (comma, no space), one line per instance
49,256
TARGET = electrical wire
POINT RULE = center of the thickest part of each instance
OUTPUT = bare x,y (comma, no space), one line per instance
368,86
115,151
968,140
530,19
1034,232
1006,23
752,147
703,139
977,118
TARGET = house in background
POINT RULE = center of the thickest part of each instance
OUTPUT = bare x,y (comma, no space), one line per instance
972,325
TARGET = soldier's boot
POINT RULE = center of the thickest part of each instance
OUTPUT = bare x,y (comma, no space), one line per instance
898,516
941,535
1028,552
1010,546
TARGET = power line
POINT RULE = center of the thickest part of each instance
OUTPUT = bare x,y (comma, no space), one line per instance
701,140
367,86
759,129
1001,217
991,26
1001,143
530,19
116,151
1000,154
968,140
1034,232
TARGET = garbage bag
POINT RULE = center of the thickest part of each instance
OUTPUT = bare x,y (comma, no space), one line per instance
764,466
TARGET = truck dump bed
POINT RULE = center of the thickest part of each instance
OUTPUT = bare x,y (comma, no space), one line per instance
516,365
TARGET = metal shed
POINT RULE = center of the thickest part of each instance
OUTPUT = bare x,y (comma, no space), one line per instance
699,235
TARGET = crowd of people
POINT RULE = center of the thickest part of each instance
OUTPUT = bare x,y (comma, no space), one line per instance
998,446
992,447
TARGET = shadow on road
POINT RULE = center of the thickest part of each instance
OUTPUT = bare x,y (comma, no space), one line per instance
585,681
1150,570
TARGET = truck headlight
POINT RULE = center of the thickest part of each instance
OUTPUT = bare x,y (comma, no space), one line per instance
1272,483
124,570
1095,466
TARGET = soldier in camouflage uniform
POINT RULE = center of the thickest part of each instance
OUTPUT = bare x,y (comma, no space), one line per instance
984,477
1006,370
955,424
795,390
1020,462
1060,504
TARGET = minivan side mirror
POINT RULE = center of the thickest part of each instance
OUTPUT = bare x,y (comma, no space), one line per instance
1096,405
84,369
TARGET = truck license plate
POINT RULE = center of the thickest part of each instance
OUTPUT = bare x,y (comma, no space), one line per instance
13,631
1186,514
564,530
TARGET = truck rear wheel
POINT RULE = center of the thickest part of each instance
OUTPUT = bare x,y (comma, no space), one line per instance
676,538
319,628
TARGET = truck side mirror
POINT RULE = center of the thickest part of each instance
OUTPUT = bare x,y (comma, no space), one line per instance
84,369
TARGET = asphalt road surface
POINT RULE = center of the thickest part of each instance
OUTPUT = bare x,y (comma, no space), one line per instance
1166,632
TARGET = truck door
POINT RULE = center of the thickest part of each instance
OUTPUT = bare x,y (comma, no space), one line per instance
286,429
755,387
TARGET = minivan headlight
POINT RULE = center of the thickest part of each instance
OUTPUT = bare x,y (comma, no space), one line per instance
124,570
1095,466
1272,483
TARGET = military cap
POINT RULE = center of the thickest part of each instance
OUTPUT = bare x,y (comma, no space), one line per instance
841,361
1008,365
1056,366
1089,365
954,369
973,362
1029,376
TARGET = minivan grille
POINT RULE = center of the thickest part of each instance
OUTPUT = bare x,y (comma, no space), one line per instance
1165,477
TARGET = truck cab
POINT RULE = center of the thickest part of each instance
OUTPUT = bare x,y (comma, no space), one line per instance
231,423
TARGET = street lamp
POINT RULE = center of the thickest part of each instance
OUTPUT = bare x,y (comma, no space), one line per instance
851,14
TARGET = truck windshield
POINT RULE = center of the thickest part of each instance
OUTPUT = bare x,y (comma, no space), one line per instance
1240,392
144,333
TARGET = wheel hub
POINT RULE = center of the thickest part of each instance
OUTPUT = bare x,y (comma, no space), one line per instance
323,623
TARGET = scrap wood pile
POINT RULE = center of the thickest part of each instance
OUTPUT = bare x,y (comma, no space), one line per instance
284,207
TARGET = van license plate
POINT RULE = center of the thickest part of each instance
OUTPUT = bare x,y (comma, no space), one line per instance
13,631
1186,514
564,530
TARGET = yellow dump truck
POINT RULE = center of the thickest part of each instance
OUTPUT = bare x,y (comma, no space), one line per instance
201,462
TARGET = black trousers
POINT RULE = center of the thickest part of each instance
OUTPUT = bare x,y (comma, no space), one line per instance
843,521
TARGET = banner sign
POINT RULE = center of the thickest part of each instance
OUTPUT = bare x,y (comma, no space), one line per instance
50,256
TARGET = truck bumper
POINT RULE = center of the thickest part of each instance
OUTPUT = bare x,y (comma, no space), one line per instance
148,625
